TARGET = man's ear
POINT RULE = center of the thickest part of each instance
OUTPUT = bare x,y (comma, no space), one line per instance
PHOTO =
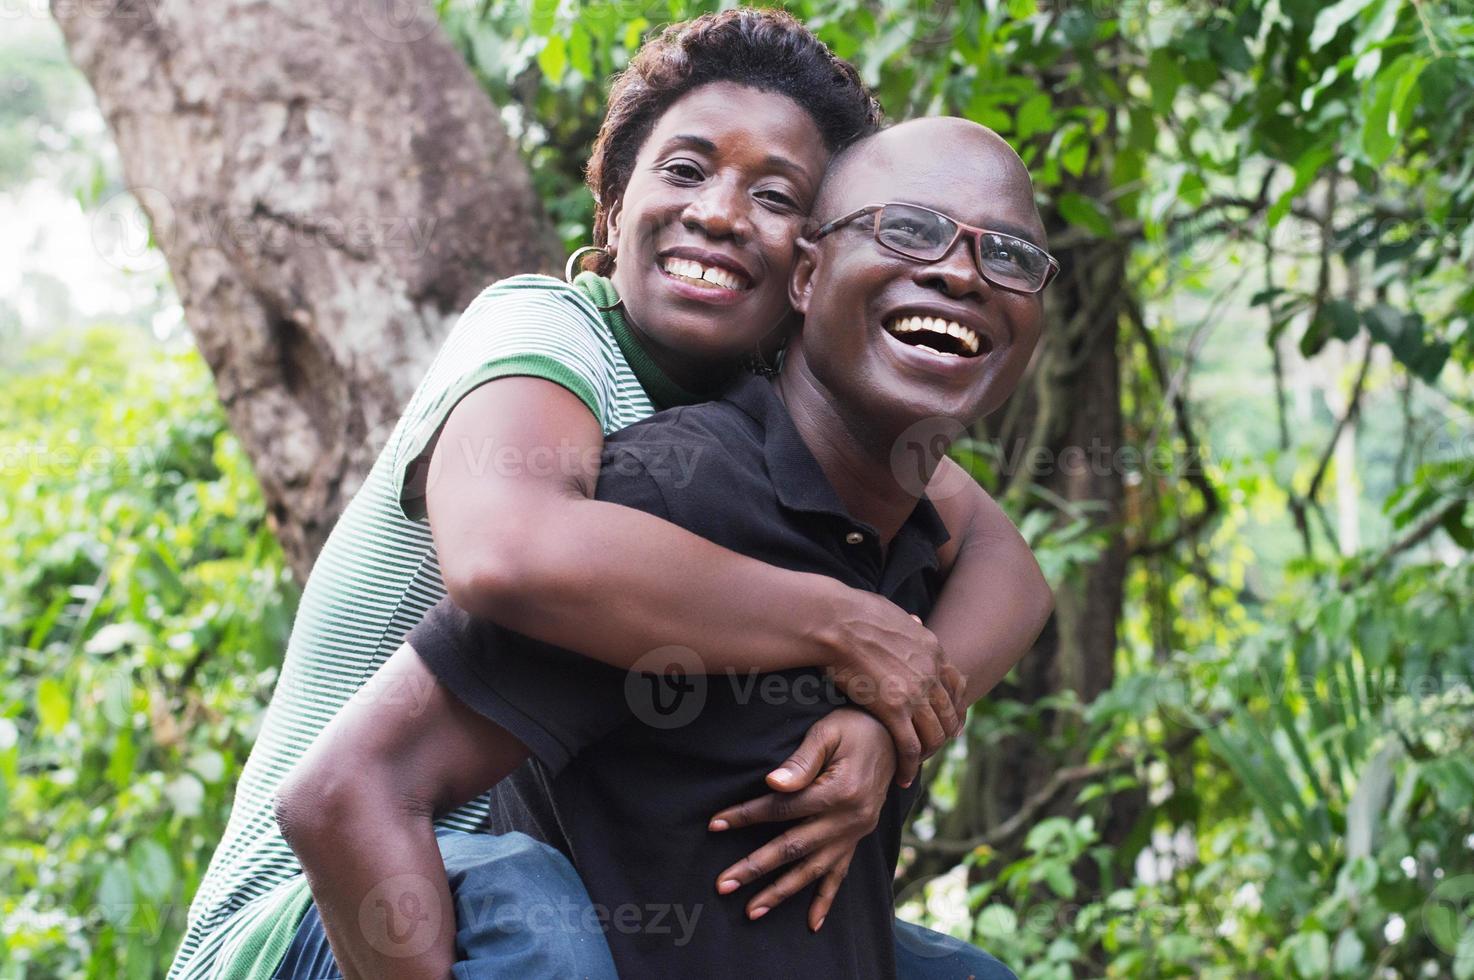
611,224
801,281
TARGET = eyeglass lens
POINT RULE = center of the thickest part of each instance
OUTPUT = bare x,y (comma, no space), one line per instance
926,235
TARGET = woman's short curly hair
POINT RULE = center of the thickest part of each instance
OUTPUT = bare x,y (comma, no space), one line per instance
763,49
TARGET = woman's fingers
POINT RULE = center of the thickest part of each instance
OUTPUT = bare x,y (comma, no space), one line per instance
818,866
945,708
807,761
772,808
908,747
828,888
786,848
929,728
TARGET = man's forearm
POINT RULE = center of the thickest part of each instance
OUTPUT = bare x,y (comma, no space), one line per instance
358,812
379,882
995,601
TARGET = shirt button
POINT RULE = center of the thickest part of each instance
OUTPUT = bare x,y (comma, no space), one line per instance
854,537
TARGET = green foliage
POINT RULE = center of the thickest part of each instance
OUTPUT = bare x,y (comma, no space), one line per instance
1311,796
1294,709
144,606
38,88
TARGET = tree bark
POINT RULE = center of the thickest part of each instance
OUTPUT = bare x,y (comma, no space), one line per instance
330,186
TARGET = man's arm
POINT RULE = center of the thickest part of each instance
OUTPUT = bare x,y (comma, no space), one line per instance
995,600
521,543
358,811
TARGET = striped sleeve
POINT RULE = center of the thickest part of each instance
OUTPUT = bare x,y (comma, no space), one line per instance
527,326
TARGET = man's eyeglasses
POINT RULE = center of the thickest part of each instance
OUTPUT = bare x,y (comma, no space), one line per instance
927,236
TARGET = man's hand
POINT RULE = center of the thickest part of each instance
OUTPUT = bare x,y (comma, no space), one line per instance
891,665
835,784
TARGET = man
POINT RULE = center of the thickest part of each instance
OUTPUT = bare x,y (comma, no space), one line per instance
921,291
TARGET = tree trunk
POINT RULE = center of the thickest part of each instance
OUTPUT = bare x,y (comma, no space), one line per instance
330,186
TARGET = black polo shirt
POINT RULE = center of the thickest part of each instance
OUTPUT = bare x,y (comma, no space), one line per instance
640,761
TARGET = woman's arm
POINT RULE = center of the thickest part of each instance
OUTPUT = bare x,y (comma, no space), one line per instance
358,810
522,543
995,600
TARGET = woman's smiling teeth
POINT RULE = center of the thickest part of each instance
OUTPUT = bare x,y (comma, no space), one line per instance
693,271
939,336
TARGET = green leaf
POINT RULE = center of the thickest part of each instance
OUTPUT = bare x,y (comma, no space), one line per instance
1402,93
633,32
1369,801
1404,334
1331,19
1311,953
209,765
1307,168
115,893
1229,50
120,761
53,705
1388,98
1456,527
1444,915
1345,324
1317,333
1075,150
1348,957
153,870
1060,880
997,921
1164,78
553,58
186,794
581,51
544,17
1034,116
1085,213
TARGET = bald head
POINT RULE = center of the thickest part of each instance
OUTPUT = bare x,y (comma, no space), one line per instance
929,161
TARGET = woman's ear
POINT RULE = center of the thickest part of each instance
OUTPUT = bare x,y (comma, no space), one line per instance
801,281
611,224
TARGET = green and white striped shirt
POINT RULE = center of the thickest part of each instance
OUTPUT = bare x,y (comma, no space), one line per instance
378,575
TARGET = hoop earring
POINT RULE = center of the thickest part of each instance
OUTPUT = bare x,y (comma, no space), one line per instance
573,259
572,264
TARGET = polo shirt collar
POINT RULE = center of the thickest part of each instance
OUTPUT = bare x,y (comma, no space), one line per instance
801,484
664,393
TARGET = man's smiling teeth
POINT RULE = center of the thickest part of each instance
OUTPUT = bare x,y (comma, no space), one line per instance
696,272
929,324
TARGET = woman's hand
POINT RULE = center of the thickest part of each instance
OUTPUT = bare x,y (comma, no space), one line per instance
835,784
888,663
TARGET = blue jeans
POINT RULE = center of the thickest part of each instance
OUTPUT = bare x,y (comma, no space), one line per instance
520,913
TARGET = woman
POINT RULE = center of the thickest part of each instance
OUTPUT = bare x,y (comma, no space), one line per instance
534,372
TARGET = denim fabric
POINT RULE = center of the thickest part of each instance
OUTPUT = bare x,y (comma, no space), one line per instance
309,958
522,912
923,954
